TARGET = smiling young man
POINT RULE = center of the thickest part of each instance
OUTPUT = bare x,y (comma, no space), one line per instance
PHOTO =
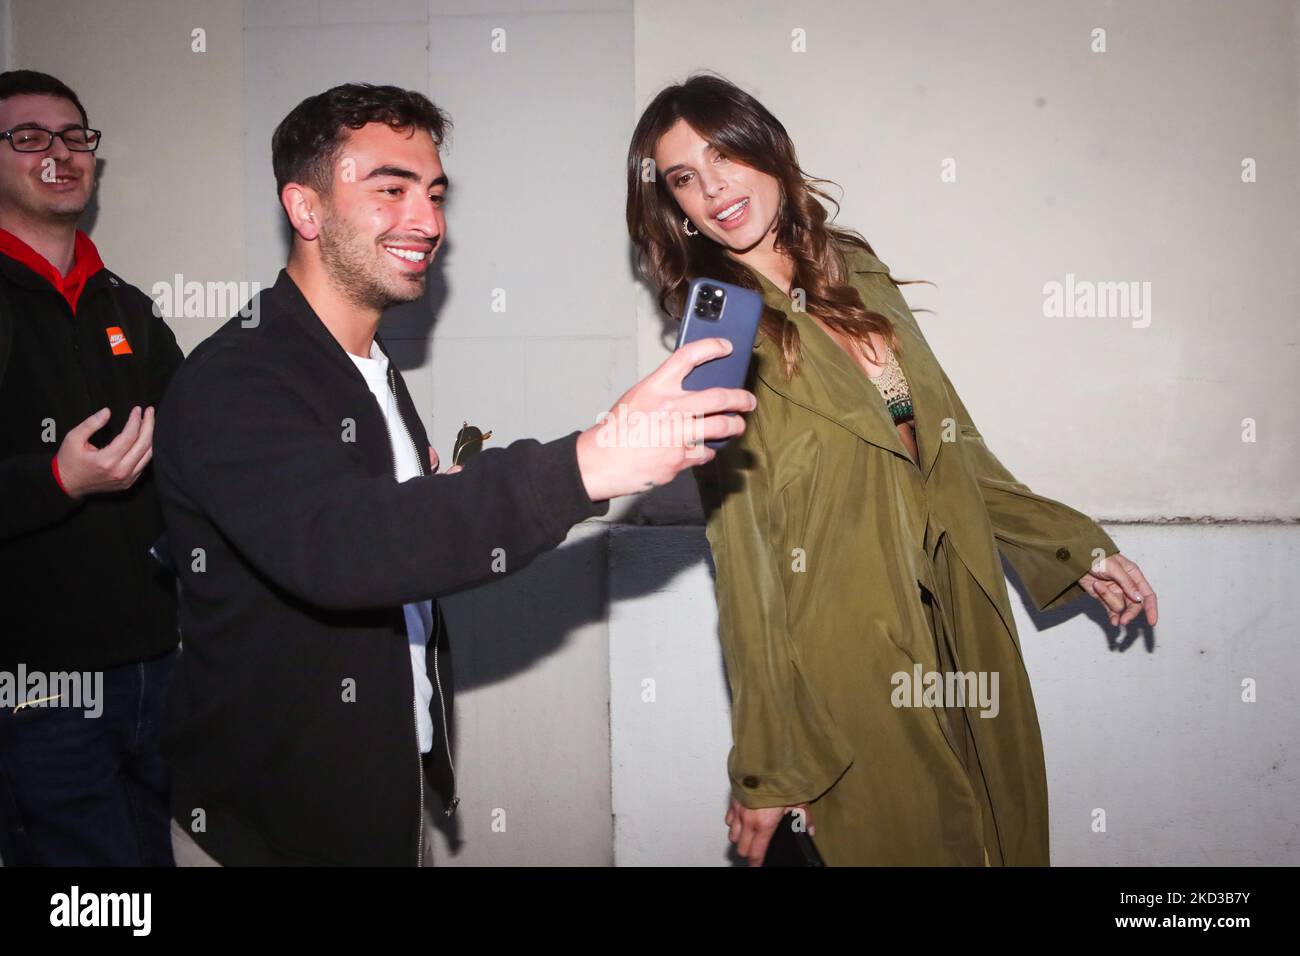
313,533
83,360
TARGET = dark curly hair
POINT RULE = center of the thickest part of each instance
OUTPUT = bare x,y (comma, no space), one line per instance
307,141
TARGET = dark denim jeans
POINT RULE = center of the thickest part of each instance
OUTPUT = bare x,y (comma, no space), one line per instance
89,791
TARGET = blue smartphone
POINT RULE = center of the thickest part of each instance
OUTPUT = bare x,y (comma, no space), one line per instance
719,310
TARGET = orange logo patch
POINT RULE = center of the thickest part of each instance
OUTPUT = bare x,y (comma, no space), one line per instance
117,341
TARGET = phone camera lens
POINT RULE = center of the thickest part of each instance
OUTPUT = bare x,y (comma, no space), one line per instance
709,301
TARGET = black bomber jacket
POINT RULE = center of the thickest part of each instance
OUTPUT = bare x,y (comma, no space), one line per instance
292,732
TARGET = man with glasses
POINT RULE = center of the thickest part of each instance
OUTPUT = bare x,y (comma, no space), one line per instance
83,362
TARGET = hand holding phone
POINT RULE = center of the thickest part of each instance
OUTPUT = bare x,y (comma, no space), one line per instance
719,310
658,428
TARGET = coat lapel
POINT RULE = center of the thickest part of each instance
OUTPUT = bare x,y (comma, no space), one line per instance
831,384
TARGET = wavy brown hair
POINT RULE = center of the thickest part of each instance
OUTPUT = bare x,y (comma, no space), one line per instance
739,126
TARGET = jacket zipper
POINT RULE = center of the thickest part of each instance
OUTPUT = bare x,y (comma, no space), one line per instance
437,677
446,736
415,697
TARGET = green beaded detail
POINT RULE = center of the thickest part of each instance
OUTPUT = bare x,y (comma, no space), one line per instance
894,389
900,409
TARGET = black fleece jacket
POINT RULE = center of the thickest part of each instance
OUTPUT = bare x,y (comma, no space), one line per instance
292,729
81,592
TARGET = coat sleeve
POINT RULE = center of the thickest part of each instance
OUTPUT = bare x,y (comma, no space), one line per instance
786,750
249,453
33,499
1050,544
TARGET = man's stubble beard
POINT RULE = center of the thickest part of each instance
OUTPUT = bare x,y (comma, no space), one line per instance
34,209
350,262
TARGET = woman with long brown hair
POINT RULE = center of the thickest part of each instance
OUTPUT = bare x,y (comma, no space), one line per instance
875,670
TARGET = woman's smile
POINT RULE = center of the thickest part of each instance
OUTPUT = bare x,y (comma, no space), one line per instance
733,215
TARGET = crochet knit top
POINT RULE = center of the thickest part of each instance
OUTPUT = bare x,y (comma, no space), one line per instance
893,388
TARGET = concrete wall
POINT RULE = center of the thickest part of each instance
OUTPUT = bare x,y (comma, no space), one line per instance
1148,726
1122,166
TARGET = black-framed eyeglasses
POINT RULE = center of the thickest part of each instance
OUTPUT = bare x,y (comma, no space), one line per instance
35,139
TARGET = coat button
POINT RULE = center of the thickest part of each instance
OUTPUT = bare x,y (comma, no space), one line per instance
749,783
1063,554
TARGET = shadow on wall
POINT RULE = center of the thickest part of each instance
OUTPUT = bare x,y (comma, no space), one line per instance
502,629
1118,639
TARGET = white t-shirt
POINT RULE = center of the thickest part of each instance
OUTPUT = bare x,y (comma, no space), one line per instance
419,616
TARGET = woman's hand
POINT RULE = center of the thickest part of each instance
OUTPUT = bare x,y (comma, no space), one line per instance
751,830
1120,586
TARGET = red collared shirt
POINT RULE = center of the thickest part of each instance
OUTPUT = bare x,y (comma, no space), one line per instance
85,263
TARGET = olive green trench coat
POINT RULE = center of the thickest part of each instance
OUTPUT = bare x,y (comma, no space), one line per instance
843,568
